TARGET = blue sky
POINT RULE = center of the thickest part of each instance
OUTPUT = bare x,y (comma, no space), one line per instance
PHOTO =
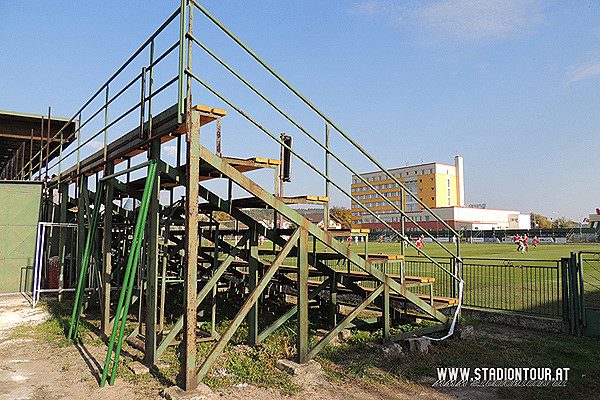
512,86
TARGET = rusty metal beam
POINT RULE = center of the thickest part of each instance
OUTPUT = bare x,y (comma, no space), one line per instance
248,304
191,251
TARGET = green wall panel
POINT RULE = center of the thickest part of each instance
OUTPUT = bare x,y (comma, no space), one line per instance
19,214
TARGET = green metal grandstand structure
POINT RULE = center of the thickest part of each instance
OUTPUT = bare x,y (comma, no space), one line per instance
130,237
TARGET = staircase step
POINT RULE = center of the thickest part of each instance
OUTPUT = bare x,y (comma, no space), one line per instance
438,301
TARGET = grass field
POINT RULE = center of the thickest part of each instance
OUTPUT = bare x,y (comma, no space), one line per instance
497,276
484,250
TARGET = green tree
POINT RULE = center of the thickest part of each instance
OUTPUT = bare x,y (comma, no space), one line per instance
539,221
562,222
342,214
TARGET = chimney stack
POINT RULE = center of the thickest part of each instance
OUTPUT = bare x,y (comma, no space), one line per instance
460,180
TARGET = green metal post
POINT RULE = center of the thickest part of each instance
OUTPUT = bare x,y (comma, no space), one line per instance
152,261
326,211
107,99
191,249
302,345
333,306
252,282
181,74
64,199
141,223
81,212
106,251
403,207
385,310
581,290
85,264
127,284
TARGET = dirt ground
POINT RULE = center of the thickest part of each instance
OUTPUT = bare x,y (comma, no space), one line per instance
36,369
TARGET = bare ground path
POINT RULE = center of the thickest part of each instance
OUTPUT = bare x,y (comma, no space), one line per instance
38,369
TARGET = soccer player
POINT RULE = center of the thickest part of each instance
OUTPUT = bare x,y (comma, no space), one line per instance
349,241
518,242
419,244
526,242
535,240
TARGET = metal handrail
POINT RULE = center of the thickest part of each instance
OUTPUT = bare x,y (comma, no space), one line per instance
223,98
113,76
316,110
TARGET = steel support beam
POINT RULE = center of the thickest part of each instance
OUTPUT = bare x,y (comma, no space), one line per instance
345,322
62,240
191,250
302,345
248,304
253,262
106,251
152,262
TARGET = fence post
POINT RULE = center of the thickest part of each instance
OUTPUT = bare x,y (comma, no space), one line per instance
577,288
581,291
564,262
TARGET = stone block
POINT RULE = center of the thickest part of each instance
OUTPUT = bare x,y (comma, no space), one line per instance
464,331
202,392
417,345
344,334
293,368
138,368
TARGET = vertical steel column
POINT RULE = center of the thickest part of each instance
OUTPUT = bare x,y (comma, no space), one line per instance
326,211
302,345
62,240
48,145
81,212
252,282
403,207
333,306
191,248
107,98
163,289
31,157
152,260
181,73
385,309
153,231
41,153
581,289
106,250
79,145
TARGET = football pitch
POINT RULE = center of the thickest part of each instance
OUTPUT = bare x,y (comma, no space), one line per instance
496,276
502,251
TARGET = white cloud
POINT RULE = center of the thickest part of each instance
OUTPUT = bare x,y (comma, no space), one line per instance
96,144
582,72
170,150
459,19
